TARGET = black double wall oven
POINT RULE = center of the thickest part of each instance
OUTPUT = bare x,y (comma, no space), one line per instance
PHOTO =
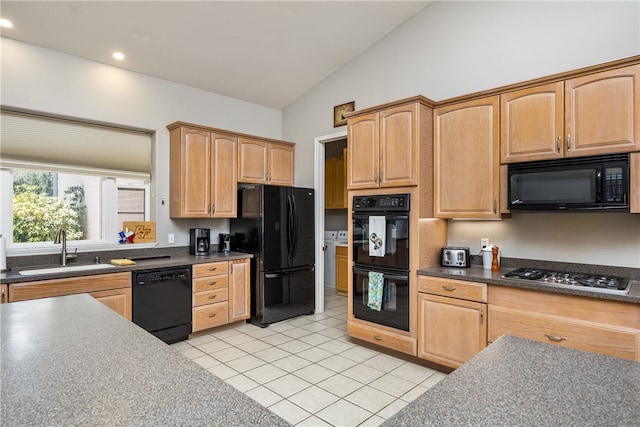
381,259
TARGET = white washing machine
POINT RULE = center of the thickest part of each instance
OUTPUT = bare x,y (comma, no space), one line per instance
331,239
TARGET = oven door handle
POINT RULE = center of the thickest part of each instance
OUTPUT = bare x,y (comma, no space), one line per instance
393,276
386,216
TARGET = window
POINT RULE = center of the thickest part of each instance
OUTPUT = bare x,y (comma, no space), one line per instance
89,195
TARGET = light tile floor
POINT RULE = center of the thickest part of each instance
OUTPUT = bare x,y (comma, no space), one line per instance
309,371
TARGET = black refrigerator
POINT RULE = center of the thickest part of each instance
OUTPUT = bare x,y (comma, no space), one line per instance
276,224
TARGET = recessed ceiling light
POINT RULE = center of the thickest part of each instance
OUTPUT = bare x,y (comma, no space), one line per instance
5,23
118,55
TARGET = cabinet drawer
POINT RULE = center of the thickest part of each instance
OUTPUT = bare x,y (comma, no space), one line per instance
210,297
461,289
210,282
579,334
208,316
210,268
394,341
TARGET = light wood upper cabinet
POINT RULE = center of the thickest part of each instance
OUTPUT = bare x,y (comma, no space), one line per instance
335,196
203,175
467,159
594,114
383,147
602,112
263,162
531,123
363,146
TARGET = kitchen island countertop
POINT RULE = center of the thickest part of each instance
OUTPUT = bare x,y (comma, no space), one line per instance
518,382
72,361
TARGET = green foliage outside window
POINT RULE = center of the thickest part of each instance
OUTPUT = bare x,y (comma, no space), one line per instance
37,217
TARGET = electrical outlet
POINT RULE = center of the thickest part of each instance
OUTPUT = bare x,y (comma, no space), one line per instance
171,238
484,242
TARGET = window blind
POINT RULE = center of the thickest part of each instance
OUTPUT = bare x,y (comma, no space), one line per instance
37,142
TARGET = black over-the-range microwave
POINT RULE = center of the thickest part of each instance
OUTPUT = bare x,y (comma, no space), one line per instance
595,183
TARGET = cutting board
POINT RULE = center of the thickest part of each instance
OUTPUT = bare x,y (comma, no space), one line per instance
145,231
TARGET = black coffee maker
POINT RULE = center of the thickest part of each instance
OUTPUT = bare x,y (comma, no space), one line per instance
225,242
199,241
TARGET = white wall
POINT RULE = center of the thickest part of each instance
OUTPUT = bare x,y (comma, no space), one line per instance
43,80
457,48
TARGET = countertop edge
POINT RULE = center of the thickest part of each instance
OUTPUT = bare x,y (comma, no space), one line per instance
481,275
13,276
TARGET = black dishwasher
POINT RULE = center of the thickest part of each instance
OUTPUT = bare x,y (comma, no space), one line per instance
161,302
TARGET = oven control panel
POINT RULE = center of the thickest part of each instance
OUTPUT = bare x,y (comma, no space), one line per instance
386,203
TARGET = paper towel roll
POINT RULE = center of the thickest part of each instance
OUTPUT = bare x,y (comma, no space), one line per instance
3,253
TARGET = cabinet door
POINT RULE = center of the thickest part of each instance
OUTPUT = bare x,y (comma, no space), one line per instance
4,294
252,161
602,112
531,123
363,135
118,300
467,160
190,173
330,183
281,164
450,331
224,176
342,269
239,297
399,128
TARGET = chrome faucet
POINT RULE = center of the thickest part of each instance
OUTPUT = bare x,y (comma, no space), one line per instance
61,237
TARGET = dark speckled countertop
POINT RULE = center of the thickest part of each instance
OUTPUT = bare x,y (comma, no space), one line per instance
155,259
72,361
518,382
476,273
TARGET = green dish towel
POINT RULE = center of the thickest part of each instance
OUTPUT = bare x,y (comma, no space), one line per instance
376,286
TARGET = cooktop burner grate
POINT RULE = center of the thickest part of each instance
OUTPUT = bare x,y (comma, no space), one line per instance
598,282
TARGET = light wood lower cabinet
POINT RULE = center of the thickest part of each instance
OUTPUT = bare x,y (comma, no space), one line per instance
380,336
4,294
118,300
591,324
342,269
451,327
220,293
566,332
113,290
239,290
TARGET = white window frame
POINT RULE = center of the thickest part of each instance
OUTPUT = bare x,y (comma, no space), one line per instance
110,228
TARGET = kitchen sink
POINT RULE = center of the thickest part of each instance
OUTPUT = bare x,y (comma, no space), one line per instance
65,268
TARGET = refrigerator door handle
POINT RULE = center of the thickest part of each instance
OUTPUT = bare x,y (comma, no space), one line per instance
294,239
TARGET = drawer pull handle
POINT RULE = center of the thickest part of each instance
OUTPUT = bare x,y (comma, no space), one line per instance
213,296
555,338
377,338
213,268
449,288
212,283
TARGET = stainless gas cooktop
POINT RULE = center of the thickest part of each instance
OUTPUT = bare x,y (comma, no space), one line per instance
592,282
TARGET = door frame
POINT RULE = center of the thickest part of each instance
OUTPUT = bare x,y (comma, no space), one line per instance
318,183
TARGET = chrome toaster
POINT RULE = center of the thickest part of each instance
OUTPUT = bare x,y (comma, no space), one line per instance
456,256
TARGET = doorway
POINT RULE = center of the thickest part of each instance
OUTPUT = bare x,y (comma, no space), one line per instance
322,147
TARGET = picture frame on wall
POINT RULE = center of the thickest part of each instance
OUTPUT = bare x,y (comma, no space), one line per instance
340,110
